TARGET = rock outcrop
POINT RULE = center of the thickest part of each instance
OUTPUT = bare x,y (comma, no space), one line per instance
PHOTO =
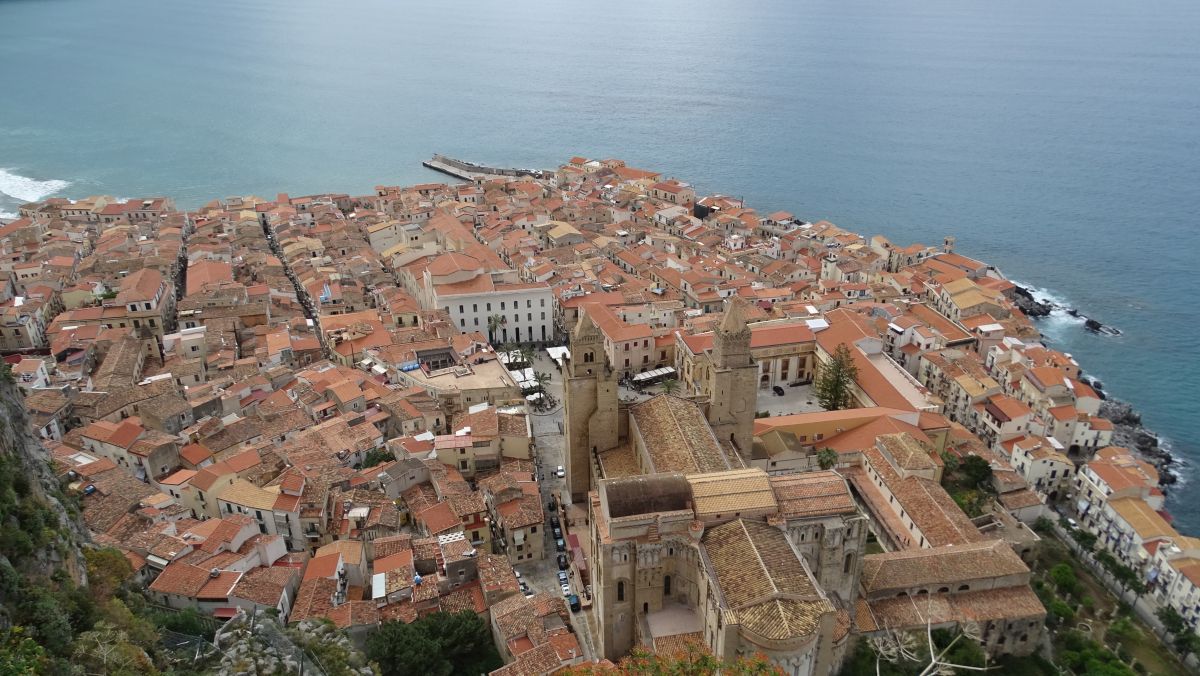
23,456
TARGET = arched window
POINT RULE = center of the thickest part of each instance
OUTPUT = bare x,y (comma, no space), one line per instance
848,563
965,587
943,590
645,608
666,585
621,591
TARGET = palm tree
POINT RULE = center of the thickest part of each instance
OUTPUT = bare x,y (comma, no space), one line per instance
542,379
494,324
670,386
525,352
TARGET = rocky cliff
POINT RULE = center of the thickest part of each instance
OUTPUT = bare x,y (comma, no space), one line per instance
41,532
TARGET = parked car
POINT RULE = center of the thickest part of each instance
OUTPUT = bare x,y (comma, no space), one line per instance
573,600
777,390
562,577
550,506
1071,522
563,564
560,472
566,590
560,545
554,522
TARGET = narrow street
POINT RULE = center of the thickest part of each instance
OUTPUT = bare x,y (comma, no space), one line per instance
550,453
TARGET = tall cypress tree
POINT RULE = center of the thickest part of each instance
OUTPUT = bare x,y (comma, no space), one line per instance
836,380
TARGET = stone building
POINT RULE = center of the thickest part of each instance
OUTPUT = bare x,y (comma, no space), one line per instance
675,564
590,405
596,422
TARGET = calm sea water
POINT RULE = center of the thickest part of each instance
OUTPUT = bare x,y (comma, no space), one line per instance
1058,140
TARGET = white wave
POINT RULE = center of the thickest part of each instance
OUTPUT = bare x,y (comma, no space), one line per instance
1043,295
28,189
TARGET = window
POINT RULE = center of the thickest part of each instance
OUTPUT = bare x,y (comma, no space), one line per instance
474,307
542,302
528,304
501,305
489,307
533,529
621,590
460,309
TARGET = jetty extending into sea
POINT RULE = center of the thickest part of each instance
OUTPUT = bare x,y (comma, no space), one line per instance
469,171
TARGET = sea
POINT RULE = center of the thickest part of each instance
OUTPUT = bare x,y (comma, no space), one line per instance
1059,141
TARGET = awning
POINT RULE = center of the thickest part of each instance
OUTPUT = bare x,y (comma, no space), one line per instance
656,373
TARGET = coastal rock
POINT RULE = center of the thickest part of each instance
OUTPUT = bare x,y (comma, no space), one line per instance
1119,412
1030,305
1128,432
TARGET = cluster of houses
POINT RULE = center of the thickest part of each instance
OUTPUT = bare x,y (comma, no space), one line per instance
310,403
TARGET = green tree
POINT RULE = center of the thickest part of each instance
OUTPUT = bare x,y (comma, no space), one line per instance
494,324
977,472
1059,613
107,569
1085,539
1187,643
950,464
525,353
670,386
1172,621
19,654
827,458
835,382
377,456
1063,576
439,644
1120,630
542,378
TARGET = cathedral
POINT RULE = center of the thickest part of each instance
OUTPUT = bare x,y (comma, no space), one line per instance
690,543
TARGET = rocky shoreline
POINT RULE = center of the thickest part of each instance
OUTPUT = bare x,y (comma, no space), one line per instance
1129,432
1037,309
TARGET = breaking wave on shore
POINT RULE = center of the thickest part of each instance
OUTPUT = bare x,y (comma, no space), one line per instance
26,189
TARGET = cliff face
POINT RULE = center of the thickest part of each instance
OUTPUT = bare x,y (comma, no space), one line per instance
39,534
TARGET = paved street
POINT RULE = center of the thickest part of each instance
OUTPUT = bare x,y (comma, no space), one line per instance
550,453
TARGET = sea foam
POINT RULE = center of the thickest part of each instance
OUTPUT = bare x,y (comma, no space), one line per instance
28,189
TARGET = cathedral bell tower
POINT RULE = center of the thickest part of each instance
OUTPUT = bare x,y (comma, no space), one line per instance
733,380
590,405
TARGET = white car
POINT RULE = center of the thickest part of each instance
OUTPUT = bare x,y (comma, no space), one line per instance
566,590
560,472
